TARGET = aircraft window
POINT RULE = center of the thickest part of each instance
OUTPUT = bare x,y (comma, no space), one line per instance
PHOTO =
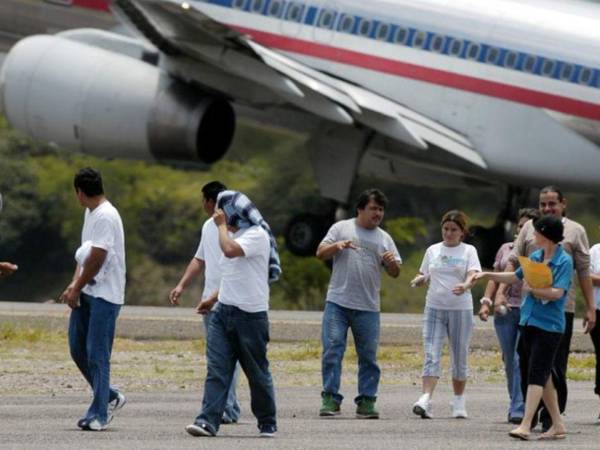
437,45
275,8
257,6
585,76
492,55
383,31
529,64
473,52
420,39
548,67
401,36
364,29
294,12
511,60
326,18
346,24
567,72
239,4
456,47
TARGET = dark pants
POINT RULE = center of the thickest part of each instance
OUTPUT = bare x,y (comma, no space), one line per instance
91,335
560,366
595,335
235,335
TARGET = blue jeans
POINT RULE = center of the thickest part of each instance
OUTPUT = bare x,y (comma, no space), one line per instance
507,329
232,407
235,335
91,335
365,329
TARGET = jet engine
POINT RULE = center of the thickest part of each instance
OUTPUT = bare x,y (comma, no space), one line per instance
105,103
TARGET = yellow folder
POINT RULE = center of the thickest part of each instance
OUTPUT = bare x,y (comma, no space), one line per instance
538,275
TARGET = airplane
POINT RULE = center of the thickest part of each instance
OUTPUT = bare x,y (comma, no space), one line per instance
436,93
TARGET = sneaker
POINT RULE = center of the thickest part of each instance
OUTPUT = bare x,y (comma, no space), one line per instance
459,409
329,407
116,405
267,431
84,423
227,420
199,430
96,425
365,409
423,406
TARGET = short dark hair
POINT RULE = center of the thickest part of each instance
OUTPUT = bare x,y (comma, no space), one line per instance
89,181
549,189
212,190
530,213
550,227
371,194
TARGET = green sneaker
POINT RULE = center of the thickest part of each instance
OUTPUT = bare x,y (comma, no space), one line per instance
329,407
366,409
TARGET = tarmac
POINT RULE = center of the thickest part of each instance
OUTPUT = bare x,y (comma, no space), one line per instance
157,421
145,322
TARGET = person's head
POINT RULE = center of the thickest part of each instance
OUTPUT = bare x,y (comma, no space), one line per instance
88,184
525,214
548,230
552,201
454,227
210,192
370,208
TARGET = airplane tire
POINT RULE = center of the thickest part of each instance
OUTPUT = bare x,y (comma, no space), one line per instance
303,234
487,241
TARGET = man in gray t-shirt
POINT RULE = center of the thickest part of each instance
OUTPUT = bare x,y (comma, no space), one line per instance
360,251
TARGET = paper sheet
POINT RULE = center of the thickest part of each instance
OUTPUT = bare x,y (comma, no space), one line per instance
537,275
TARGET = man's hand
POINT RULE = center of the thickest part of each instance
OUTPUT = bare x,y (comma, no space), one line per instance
70,296
7,268
341,245
388,258
219,217
589,321
175,294
419,280
484,312
205,305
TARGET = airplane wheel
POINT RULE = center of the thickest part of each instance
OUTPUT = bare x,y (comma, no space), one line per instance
304,233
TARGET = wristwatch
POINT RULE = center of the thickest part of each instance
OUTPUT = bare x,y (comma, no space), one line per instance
486,301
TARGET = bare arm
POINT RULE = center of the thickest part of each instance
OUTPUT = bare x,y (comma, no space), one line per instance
595,280
90,270
194,269
391,264
207,304
499,277
7,268
230,248
467,284
587,287
328,251
550,294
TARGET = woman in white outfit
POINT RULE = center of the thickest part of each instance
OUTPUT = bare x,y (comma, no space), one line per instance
449,267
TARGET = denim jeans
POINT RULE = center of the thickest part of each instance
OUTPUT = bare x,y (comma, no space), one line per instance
235,335
91,335
334,337
507,330
232,407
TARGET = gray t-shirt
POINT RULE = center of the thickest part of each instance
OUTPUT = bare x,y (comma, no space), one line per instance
356,279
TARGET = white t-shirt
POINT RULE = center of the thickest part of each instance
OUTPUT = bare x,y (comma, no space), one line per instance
595,269
210,252
102,228
446,267
245,279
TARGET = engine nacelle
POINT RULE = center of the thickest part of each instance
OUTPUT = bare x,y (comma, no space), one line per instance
96,101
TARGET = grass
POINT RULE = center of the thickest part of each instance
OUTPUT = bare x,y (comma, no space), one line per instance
36,361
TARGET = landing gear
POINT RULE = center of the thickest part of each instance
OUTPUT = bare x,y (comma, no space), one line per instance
487,241
304,233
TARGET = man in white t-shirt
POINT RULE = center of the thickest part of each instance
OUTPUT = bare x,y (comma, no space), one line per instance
361,251
206,260
239,328
95,296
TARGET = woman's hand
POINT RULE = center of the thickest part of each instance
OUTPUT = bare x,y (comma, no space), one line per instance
461,288
418,281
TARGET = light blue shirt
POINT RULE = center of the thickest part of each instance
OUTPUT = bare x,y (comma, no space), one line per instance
549,316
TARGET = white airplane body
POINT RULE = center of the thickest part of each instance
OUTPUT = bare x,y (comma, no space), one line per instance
432,92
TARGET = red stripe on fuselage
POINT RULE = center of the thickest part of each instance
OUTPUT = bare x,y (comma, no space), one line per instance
440,77
100,5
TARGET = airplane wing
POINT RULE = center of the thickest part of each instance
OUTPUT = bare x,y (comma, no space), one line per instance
180,30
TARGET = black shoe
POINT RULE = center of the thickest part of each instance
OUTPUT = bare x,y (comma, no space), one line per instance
515,420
